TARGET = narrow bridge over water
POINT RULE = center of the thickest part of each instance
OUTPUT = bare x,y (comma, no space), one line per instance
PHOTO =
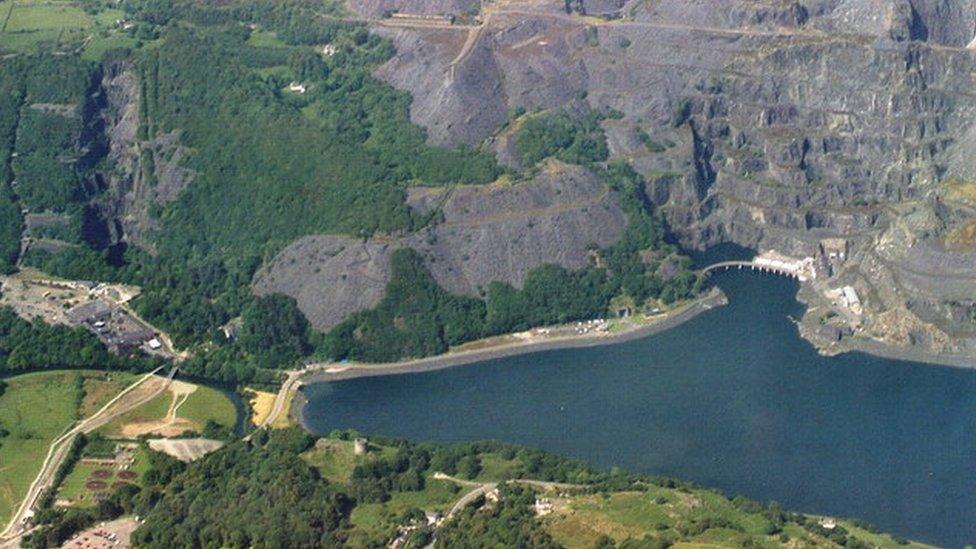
756,265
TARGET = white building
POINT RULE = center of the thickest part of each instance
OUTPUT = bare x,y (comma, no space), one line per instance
850,299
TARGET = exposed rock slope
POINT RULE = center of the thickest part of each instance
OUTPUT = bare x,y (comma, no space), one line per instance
492,233
784,122
136,184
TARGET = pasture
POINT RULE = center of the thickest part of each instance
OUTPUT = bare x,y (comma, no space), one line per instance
180,408
27,24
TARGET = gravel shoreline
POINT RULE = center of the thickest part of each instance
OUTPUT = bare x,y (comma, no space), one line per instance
714,298
910,354
460,358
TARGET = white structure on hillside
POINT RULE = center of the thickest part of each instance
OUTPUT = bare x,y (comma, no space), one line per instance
851,300
543,507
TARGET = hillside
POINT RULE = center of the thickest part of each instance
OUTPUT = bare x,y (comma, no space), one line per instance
212,154
250,190
288,489
769,124
236,153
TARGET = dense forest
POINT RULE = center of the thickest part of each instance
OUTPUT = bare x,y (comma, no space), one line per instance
26,346
270,165
249,496
11,222
3,432
563,135
263,494
48,145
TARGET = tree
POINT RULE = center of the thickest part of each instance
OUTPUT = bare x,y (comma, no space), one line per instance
275,330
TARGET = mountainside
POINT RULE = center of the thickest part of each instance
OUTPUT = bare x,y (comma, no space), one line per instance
285,489
495,233
512,153
775,125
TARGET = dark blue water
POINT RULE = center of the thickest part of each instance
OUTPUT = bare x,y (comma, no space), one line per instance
733,399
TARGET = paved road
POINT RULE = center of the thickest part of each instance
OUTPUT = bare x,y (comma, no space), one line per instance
481,489
62,445
291,383
470,497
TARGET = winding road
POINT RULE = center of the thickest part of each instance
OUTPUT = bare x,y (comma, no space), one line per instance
482,488
291,383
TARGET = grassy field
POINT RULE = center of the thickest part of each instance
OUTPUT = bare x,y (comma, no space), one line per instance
101,387
24,24
36,409
208,404
668,513
335,459
96,47
154,410
39,16
265,39
494,468
195,405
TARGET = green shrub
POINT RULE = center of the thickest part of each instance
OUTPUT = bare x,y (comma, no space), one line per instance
572,139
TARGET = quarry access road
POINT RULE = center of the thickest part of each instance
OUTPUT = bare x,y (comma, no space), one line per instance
577,20
474,36
476,30
61,446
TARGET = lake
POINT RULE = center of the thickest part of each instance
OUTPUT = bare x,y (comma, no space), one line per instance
733,399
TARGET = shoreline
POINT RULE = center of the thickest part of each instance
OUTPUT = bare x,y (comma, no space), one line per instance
891,351
874,347
714,298
451,359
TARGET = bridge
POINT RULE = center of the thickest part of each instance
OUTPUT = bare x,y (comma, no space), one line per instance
798,269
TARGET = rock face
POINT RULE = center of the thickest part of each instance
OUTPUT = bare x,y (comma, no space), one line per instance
489,233
427,63
330,276
135,185
778,123
379,8
502,232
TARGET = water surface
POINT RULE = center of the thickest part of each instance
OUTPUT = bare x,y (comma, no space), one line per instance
733,399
